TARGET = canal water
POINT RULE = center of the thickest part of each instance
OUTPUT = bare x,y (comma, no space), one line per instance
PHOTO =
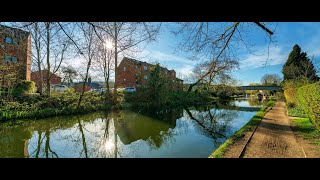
185,132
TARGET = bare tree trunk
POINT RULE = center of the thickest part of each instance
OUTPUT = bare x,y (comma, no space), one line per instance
37,45
107,77
84,144
47,144
39,144
115,62
48,58
84,83
115,143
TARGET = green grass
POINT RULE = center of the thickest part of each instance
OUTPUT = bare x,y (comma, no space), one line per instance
254,121
305,128
49,112
296,112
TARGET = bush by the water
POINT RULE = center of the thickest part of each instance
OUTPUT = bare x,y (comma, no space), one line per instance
30,106
309,100
24,87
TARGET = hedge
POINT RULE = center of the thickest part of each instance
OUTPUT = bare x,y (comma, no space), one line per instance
309,100
290,90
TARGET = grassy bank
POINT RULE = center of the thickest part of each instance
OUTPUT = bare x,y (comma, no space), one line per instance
305,128
296,112
254,121
37,107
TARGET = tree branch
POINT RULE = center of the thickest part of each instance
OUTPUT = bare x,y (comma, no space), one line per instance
264,28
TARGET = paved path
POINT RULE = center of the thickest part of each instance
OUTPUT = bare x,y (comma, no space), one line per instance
274,137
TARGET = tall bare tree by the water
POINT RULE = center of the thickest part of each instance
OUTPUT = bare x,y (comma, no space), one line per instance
127,36
51,46
271,79
88,51
105,63
213,43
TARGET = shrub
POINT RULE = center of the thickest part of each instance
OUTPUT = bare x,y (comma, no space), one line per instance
24,87
290,90
309,100
30,106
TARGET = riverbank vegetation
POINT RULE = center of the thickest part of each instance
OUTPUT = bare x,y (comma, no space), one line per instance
306,129
301,86
36,107
159,92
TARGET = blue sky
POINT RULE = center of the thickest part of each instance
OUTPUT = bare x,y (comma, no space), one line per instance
252,65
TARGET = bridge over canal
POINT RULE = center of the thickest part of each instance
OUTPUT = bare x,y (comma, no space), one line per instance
269,88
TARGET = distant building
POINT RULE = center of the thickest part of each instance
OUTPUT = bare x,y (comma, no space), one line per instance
79,87
134,73
89,86
35,76
15,55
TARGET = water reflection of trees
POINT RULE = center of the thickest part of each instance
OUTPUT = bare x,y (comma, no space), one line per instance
213,123
115,134
13,143
44,129
253,101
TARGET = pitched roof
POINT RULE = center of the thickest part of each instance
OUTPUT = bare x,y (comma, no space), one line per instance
140,62
15,30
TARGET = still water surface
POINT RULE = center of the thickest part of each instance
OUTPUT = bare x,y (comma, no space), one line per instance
187,132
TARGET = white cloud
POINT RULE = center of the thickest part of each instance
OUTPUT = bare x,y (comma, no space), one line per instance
184,71
276,56
166,58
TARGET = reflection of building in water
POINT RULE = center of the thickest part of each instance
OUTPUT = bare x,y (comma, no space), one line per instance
135,126
13,141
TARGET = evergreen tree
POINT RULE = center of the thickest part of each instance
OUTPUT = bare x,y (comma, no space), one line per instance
299,66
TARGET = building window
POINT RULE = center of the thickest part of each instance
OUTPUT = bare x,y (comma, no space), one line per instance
124,68
145,68
15,42
124,80
136,66
7,59
10,59
14,59
8,40
145,76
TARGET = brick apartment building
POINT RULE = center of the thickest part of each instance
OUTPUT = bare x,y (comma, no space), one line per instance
35,76
134,73
15,56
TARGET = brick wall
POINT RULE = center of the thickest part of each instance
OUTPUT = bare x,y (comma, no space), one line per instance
132,73
35,76
15,54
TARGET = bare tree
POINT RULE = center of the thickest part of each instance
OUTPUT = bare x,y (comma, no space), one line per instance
36,30
88,51
208,72
51,45
69,74
212,42
126,36
271,79
105,64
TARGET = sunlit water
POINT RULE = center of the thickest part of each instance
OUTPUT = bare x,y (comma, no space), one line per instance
172,133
